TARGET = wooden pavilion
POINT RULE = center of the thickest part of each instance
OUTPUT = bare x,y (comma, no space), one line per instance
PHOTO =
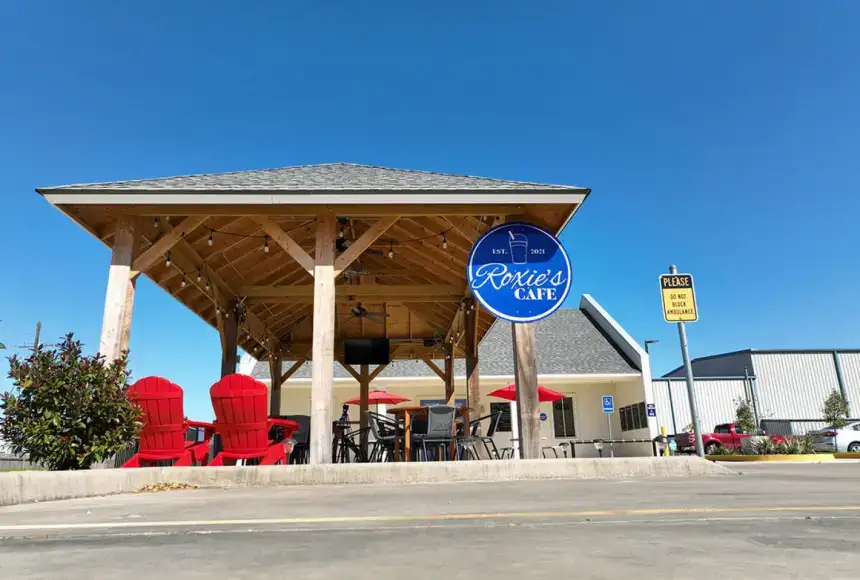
288,263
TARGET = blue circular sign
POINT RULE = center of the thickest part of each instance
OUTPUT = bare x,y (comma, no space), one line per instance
519,272
543,417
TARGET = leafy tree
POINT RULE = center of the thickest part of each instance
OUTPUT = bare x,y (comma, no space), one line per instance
835,409
67,410
744,416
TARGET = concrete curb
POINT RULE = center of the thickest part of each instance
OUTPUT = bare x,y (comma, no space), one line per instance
813,457
846,455
35,486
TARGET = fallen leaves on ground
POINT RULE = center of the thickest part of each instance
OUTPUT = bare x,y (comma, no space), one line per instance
166,486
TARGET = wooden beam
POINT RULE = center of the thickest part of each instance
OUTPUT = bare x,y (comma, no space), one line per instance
275,368
473,380
355,292
361,244
117,296
231,339
349,369
449,374
125,337
292,370
162,245
429,362
376,371
525,373
323,341
289,245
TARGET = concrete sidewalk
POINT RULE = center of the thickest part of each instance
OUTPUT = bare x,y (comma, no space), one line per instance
30,486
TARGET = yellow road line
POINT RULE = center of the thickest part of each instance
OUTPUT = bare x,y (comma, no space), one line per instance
425,517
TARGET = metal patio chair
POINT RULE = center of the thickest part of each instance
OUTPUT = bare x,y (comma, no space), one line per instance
440,430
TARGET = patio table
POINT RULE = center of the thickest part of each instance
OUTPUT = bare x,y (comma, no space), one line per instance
407,412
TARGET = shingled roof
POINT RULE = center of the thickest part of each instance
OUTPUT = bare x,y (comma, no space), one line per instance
568,343
324,177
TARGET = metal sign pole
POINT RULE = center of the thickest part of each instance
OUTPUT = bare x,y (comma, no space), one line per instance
691,387
611,444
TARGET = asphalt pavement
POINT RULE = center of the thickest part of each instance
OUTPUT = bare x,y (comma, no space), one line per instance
773,521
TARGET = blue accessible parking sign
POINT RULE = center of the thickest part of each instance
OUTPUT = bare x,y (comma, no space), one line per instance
519,272
652,410
608,404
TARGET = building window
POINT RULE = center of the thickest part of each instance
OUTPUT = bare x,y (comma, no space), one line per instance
634,417
505,421
562,418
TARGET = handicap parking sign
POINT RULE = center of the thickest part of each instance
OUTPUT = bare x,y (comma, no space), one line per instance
652,410
608,404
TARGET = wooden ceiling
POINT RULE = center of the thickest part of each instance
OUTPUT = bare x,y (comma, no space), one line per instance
413,297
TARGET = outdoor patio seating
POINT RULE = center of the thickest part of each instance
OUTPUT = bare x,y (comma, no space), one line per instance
439,435
242,422
383,430
487,440
163,435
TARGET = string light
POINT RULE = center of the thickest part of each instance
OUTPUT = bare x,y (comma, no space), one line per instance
211,238
182,285
341,231
168,260
198,275
266,245
217,310
444,241
207,285
155,221
391,250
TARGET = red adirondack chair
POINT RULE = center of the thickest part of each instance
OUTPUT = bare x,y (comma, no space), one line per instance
243,423
164,426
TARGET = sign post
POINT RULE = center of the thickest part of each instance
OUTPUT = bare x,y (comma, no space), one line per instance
608,409
679,305
521,273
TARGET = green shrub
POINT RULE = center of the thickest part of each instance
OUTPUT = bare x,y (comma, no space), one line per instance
744,416
66,410
835,409
720,450
800,445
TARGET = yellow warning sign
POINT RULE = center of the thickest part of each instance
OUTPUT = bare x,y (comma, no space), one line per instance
679,298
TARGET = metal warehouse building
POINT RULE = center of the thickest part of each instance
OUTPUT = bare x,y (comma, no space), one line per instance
786,387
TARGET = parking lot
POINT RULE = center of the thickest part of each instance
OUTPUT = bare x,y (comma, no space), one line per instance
773,521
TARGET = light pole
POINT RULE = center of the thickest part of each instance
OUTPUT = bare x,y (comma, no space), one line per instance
650,341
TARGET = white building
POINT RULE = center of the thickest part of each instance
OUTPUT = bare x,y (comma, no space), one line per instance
786,387
583,353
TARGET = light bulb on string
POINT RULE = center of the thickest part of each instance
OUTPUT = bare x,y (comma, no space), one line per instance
167,263
211,237
155,221
198,275
182,284
391,250
266,245
341,232
444,241
207,285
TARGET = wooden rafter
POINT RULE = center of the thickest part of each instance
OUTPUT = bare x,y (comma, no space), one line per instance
284,240
162,245
359,246
429,362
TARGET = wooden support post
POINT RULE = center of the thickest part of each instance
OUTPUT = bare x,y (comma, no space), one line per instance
132,287
323,341
364,406
525,372
230,339
275,372
449,374
473,380
119,298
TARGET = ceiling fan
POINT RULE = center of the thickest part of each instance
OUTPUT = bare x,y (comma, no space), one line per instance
359,311
342,243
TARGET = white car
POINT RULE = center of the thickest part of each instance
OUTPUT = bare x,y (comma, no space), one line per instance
833,440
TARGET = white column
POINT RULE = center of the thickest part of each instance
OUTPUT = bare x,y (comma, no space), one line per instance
119,297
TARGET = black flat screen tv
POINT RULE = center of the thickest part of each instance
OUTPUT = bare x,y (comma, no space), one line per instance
366,351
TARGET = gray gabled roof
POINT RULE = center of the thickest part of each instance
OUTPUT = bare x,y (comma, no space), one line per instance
324,177
567,343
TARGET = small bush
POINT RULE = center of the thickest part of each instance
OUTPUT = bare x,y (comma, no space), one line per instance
800,445
720,450
66,410
744,416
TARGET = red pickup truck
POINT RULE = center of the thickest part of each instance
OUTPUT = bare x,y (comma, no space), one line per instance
725,435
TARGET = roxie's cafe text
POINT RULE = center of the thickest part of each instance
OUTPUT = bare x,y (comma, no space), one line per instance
526,284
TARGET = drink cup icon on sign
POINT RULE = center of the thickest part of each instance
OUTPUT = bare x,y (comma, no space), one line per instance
519,247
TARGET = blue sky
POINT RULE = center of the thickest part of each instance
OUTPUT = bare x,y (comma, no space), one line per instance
717,136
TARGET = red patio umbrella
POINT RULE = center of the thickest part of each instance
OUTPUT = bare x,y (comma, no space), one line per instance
377,397
544,395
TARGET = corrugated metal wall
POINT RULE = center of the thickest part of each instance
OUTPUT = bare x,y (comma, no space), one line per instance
715,398
793,385
850,363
